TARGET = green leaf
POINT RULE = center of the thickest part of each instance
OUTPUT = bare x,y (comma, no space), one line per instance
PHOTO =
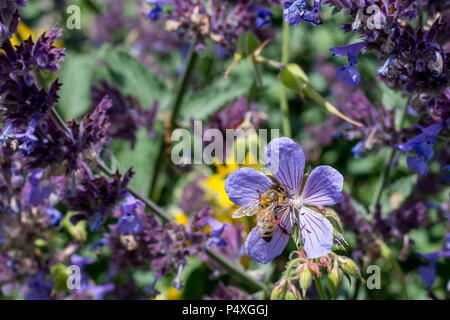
77,72
247,44
131,76
200,105
141,158
396,193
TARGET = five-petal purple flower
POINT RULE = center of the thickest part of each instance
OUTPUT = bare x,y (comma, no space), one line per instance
286,160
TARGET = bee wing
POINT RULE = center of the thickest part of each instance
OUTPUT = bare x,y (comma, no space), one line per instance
248,210
266,216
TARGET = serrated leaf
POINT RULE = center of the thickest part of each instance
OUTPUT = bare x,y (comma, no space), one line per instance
141,158
131,76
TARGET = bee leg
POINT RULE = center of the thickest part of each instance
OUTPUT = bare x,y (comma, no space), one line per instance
259,195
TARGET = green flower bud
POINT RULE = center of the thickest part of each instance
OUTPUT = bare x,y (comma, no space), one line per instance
350,267
292,293
335,279
305,280
279,289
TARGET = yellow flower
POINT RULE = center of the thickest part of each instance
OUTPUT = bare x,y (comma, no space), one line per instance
181,218
24,32
216,182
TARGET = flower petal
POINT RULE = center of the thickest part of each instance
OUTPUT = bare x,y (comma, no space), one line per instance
242,185
316,232
323,187
262,251
286,161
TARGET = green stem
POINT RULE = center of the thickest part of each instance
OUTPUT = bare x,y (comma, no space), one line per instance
284,106
269,62
385,251
161,161
388,255
322,294
385,173
234,270
259,83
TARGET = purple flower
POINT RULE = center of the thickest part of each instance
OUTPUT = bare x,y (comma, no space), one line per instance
39,288
349,74
28,138
129,223
314,15
80,261
294,11
217,229
37,194
263,16
98,246
157,9
286,160
428,272
422,145
54,215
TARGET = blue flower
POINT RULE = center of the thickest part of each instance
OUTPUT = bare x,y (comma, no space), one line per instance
157,9
422,145
217,229
97,246
37,194
358,148
54,215
349,74
384,69
28,138
295,11
96,225
80,261
7,133
129,223
428,272
263,16
314,15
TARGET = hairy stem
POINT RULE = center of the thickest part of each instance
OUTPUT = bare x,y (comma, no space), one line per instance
283,97
322,294
389,256
161,160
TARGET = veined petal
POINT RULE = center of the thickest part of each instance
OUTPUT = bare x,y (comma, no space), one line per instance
286,161
262,251
323,187
316,232
242,185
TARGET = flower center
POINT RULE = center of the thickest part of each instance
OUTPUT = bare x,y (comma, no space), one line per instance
297,202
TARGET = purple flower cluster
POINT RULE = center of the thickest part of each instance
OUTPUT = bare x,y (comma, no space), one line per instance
160,248
125,114
220,21
223,292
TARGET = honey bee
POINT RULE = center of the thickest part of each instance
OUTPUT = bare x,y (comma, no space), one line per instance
264,207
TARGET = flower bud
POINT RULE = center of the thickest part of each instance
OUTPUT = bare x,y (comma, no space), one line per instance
279,289
292,292
305,280
350,267
335,279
